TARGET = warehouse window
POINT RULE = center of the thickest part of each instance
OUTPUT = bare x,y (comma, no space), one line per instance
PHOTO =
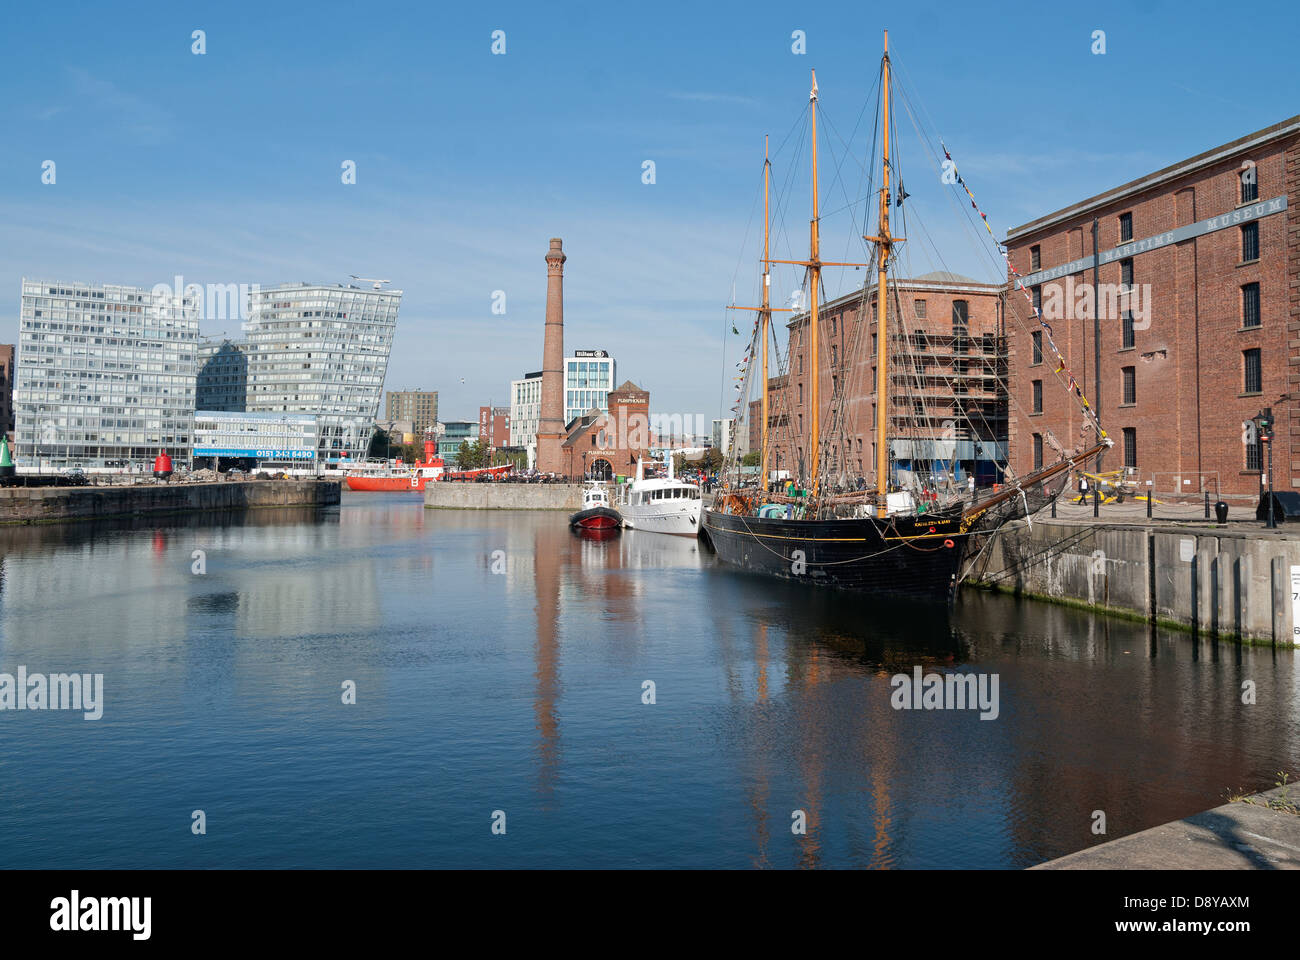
1125,227
1250,305
1249,241
1128,330
1038,396
1035,257
1249,184
1130,447
1254,378
1126,274
1130,384
1036,297
1037,340
919,307
1038,451
1254,453
960,317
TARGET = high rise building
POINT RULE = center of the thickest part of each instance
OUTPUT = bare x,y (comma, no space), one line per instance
104,373
418,406
724,430
525,409
223,376
588,379
322,349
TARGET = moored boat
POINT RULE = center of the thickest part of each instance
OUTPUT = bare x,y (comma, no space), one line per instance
396,476
662,504
596,513
899,532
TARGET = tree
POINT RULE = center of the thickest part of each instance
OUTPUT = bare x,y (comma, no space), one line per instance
518,457
750,459
380,444
472,456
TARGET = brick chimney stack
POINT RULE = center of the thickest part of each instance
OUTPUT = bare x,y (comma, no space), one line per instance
550,426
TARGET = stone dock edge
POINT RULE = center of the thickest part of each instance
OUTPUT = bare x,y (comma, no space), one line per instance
1243,835
38,505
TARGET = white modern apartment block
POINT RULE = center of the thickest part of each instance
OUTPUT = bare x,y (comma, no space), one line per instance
724,433
104,373
322,349
588,379
525,409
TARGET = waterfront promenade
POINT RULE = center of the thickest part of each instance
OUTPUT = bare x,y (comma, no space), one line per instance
1246,835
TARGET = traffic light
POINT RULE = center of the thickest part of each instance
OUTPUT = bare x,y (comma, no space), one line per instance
1265,425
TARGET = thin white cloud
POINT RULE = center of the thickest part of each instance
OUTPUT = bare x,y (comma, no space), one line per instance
138,117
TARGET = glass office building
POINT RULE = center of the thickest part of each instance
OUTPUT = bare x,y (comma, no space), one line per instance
223,376
322,349
104,373
455,433
588,379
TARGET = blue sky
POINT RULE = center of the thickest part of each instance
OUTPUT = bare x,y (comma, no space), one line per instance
225,167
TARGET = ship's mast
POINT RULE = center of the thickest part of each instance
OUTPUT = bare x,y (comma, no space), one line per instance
814,283
884,245
814,265
766,314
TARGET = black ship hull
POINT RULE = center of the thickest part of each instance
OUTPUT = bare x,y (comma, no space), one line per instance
902,556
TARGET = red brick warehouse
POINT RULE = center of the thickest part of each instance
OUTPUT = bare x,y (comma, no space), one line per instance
1199,269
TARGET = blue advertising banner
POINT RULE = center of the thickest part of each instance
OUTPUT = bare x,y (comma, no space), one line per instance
264,454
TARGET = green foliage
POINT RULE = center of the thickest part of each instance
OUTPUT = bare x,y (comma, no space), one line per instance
750,459
472,456
709,463
381,445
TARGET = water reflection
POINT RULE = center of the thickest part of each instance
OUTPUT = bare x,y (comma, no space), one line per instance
501,659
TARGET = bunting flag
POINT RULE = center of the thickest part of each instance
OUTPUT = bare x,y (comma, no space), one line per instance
1073,385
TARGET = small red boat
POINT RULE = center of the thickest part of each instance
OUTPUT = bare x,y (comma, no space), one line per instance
393,477
596,513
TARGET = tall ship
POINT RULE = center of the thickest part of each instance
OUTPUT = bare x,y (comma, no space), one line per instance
394,475
897,531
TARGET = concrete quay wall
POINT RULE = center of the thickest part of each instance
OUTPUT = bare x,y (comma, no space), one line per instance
503,496
64,504
1218,580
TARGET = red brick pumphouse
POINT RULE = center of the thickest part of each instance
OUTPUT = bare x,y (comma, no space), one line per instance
1197,284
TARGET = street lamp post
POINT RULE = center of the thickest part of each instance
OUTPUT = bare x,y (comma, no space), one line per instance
1264,431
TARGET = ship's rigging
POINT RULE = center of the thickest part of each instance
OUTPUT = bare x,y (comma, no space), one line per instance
817,455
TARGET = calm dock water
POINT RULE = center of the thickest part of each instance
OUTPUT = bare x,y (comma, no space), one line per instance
499,664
